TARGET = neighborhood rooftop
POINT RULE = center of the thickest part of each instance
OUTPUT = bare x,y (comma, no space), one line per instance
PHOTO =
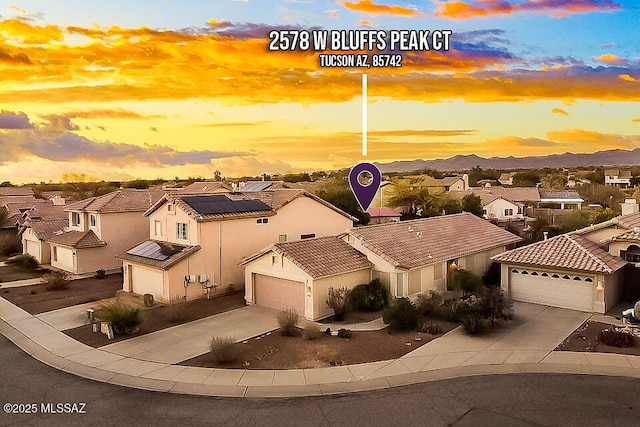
46,228
158,254
569,251
220,204
123,200
415,243
77,239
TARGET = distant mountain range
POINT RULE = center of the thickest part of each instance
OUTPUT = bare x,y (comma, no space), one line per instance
566,160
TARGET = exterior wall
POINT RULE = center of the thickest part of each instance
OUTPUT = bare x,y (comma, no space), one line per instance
603,235
169,223
143,279
91,259
83,225
282,268
458,186
43,254
612,289
120,231
65,258
320,289
496,209
616,247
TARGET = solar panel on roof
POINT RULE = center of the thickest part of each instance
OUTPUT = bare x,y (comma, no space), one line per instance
219,204
257,186
155,250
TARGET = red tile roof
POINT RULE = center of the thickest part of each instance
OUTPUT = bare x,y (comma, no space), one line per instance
123,200
77,239
568,251
45,228
420,242
383,212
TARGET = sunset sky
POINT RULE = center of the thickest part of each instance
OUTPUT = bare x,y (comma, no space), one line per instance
158,89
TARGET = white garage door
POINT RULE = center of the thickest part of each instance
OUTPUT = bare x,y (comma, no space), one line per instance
146,281
33,248
280,294
566,290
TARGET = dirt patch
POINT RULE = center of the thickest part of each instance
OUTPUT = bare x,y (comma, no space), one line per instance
354,317
162,317
11,273
585,338
274,351
35,299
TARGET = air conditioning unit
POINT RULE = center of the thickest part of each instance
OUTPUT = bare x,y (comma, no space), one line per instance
204,278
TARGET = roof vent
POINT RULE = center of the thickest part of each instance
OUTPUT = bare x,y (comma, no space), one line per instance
636,229
419,233
410,229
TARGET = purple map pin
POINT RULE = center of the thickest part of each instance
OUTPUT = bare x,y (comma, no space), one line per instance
365,193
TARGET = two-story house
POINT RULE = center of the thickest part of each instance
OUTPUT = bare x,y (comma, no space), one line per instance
197,241
618,178
100,228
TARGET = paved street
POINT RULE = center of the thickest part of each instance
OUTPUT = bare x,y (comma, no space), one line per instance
504,400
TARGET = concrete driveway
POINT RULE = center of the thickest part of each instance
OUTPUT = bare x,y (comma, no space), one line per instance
192,339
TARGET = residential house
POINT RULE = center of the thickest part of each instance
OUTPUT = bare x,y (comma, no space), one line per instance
198,241
589,269
568,199
383,215
17,211
498,208
205,187
298,275
618,178
506,178
385,191
13,194
415,256
34,234
99,228
454,183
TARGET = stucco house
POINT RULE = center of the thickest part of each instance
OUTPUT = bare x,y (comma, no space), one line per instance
506,178
99,228
34,234
568,199
618,178
298,275
198,241
383,215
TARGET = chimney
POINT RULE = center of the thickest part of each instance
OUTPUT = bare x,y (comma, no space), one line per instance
629,206
58,201
545,235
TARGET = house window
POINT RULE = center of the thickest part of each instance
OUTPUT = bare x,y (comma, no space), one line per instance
182,231
282,238
54,253
484,211
437,272
566,277
92,220
75,218
307,236
631,257
157,226
274,260
262,221
508,212
544,275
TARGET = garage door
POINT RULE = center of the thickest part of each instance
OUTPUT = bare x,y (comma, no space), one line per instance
33,249
566,290
280,294
146,281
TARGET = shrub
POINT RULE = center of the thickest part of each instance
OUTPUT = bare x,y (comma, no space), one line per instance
56,281
492,276
616,338
11,247
465,281
311,331
472,323
100,274
370,296
287,320
402,315
176,310
444,312
495,305
224,349
462,307
427,303
24,262
125,319
430,328
338,300
344,333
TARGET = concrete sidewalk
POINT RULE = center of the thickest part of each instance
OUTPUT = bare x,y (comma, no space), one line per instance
524,346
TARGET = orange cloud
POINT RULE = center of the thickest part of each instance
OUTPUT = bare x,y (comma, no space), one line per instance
609,58
369,6
485,8
627,78
17,9
635,120
559,111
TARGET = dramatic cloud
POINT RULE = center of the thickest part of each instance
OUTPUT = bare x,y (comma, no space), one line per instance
559,111
11,120
555,8
610,59
118,113
369,6
57,121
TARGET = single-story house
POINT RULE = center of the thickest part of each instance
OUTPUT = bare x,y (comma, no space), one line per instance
412,257
568,271
499,208
298,275
383,215
569,199
506,178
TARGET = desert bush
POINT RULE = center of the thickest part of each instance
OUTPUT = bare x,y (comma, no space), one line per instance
24,262
614,338
11,247
224,349
428,302
495,305
430,328
370,296
472,323
287,320
444,312
56,281
338,301
311,331
465,281
124,318
344,333
402,315
176,310
462,307
100,274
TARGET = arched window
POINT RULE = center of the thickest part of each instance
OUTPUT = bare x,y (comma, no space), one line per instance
588,279
578,278
544,275
566,277
515,271
555,276
524,272
534,273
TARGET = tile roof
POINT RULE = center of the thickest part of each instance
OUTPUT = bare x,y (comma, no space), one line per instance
46,211
16,191
179,253
205,187
516,194
620,173
45,228
320,257
412,244
568,251
629,236
77,239
383,212
557,195
123,200
16,208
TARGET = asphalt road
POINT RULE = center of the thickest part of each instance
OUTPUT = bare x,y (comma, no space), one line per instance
506,400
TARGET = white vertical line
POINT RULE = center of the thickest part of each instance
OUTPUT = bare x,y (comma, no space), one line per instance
364,114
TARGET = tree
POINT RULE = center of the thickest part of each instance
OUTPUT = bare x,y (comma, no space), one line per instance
339,194
604,195
473,204
138,183
81,186
555,181
526,179
575,220
465,281
217,175
600,215
596,176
